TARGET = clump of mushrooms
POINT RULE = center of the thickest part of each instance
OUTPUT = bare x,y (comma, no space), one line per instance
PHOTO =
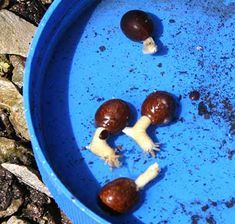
110,118
122,194
157,109
138,26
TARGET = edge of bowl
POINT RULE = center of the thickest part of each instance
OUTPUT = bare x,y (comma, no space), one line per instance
29,118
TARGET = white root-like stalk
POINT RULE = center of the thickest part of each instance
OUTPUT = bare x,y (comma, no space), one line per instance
100,148
139,134
149,46
147,176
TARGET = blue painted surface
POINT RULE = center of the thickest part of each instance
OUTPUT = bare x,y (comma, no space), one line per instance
89,61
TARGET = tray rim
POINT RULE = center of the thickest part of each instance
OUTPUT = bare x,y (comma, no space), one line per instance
29,117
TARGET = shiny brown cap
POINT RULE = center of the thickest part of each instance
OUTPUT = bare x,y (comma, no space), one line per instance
159,107
120,195
137,25
113,115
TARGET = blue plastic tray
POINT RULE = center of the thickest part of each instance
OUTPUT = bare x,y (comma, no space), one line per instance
80,58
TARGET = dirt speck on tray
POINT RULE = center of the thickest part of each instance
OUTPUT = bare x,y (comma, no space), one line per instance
214,203
171,21
194,95
159,65
218,108
102,48
205,208
230,203
231,153
203,111
210,220
195,219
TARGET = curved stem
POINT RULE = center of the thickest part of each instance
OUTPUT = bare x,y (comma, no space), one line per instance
100,148
147,176
138,133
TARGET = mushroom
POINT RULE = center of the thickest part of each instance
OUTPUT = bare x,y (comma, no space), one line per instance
110,118
122,194
158,108
138,26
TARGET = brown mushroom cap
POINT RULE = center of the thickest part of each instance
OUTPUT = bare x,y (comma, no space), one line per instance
159,107
120,195
113,115
137,25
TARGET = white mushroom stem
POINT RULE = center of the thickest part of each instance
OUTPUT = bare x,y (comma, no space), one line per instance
100,148
149,46
147,176
139,134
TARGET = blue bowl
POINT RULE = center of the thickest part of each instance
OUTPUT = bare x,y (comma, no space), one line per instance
80,58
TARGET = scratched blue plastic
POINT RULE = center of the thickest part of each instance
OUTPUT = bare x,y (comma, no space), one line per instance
80,58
